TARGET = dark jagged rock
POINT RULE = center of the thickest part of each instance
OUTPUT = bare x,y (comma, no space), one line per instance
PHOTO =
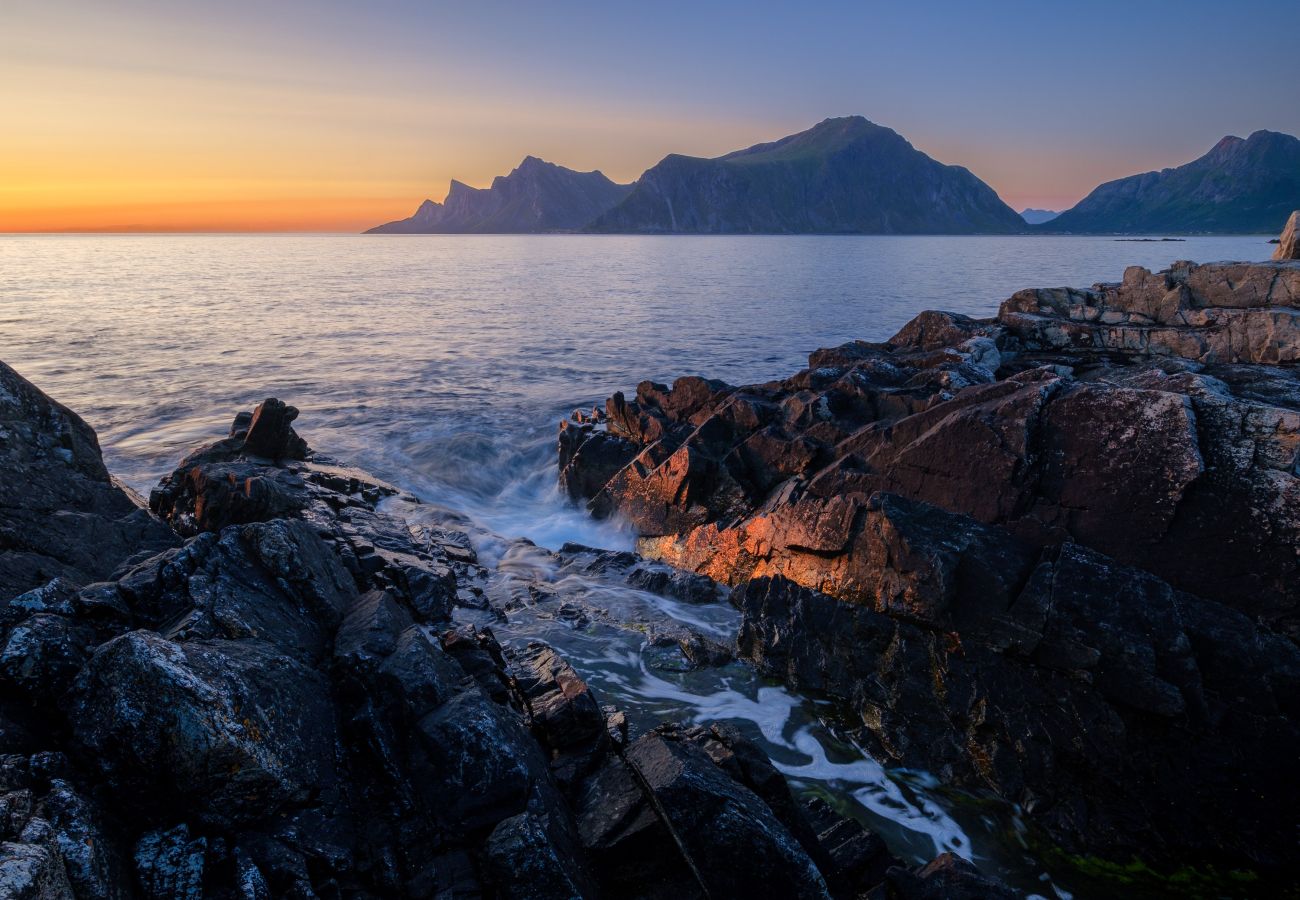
227,483
1062,695
33,872
58,838
641,573
603,455
44,652
230,730
1045,554
948,877
732,841
61,514
270,432
562,712
858,857
282,707
169,864
523,860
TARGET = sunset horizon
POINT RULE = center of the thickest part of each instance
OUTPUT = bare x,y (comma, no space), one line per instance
324,211
478,450
158,117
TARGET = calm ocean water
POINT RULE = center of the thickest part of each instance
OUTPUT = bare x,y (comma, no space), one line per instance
440,361
443,364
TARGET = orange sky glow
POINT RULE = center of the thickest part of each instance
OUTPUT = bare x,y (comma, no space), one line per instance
242,116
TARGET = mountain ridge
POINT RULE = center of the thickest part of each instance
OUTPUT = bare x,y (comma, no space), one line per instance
842,176
1035,216
849,175
1241,185
536,197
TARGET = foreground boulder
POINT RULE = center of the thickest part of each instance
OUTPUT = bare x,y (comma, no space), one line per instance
61,514
1047,554
282,706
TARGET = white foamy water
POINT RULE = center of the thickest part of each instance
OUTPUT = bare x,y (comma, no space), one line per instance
443,363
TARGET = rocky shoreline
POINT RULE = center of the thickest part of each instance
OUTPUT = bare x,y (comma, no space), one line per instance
1049,556
254,688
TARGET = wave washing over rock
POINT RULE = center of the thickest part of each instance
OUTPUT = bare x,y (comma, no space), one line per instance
256,689
1049,556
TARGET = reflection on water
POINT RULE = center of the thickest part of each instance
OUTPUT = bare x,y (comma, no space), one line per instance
442,364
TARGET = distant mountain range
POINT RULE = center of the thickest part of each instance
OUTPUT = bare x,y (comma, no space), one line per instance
1242,186
1038,216
843,176
850,176
536,197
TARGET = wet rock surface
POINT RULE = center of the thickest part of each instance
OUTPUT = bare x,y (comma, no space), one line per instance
261,693
1051,554
61,514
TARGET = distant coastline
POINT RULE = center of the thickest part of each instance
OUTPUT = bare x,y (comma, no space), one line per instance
852,176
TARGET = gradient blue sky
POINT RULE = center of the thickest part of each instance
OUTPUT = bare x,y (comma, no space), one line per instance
338,115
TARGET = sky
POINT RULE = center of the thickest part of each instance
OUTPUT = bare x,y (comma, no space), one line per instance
284,115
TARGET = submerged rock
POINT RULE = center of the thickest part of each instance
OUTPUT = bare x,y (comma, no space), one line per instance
1047,554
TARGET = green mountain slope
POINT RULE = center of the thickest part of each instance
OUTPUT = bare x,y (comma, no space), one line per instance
1246,186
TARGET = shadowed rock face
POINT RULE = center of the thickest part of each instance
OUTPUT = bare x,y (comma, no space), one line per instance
281,706
61,515
1045,554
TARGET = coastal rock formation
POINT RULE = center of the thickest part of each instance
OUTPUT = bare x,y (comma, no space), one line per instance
1243,185
1048,554
1288,246
272,700
535,197
842,176
61,514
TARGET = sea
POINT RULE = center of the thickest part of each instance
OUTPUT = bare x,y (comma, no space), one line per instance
444,363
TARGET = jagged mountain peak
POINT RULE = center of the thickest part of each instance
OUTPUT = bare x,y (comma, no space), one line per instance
1240,185
536,196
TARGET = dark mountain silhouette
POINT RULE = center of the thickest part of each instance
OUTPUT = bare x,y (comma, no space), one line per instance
536,197
843,176
1245,186
1038,216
